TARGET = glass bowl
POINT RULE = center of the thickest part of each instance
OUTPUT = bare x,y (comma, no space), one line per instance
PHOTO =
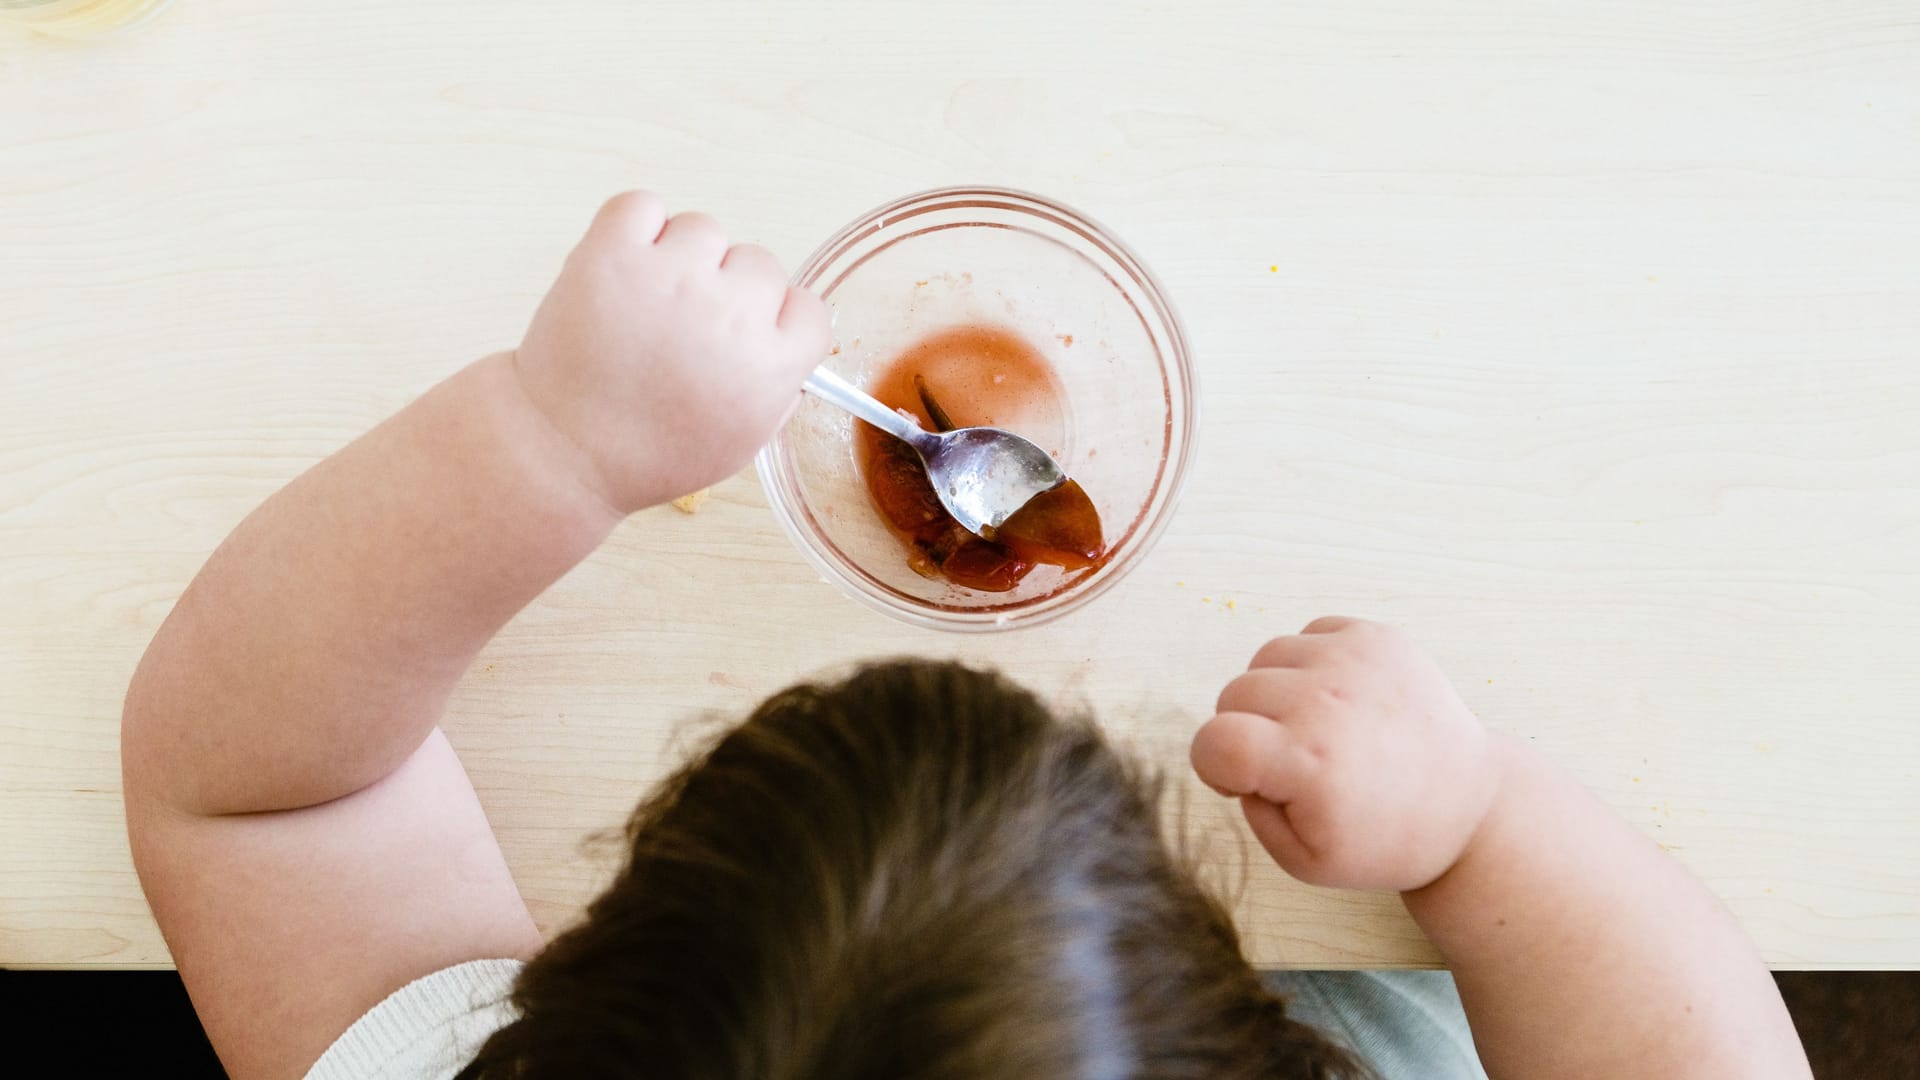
979,256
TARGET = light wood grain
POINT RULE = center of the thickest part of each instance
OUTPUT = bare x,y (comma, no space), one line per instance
1584,340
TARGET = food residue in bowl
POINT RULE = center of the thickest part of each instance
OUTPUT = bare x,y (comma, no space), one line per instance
962,377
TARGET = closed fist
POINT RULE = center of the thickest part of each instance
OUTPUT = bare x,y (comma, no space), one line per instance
1356,763
666,354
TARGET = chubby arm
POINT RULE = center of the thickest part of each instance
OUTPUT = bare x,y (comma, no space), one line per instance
313,653
1583,950
307,840
1580,948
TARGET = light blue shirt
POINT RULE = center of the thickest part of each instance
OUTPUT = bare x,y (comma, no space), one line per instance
1408,1025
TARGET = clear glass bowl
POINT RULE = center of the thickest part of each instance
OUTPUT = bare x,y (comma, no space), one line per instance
972,256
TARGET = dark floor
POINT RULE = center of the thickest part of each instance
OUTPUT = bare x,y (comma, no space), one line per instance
1856,1025
110,1023
1861,1025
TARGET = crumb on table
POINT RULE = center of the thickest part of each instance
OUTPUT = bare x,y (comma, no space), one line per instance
690,504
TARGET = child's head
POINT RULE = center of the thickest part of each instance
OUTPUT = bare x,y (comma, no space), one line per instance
919,872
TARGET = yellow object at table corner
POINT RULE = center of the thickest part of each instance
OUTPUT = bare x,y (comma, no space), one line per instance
78,18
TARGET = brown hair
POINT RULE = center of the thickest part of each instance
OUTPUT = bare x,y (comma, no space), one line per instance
917,874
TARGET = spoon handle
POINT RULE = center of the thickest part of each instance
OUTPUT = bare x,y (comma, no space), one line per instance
840,393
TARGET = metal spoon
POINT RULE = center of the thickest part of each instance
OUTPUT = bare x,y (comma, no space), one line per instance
982,474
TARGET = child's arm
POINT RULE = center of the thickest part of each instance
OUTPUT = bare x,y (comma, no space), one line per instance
307,839
1581,949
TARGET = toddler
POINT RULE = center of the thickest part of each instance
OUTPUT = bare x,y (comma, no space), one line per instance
917,873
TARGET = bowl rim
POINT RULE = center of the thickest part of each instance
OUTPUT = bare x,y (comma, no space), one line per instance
1180,451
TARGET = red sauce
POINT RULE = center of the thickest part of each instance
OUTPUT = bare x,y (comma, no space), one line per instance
964,377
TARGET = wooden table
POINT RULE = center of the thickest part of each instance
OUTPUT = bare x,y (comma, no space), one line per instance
1584,343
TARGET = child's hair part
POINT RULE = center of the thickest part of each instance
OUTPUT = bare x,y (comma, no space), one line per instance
919,873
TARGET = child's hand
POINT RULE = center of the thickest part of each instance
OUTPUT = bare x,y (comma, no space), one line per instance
666,356
1355,761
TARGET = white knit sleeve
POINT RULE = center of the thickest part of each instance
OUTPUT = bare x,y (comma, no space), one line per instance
428,1029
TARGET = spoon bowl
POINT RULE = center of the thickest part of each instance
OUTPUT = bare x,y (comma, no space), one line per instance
983,475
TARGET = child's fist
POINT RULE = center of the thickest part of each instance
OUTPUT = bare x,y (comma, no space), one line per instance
665,354
1355,761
